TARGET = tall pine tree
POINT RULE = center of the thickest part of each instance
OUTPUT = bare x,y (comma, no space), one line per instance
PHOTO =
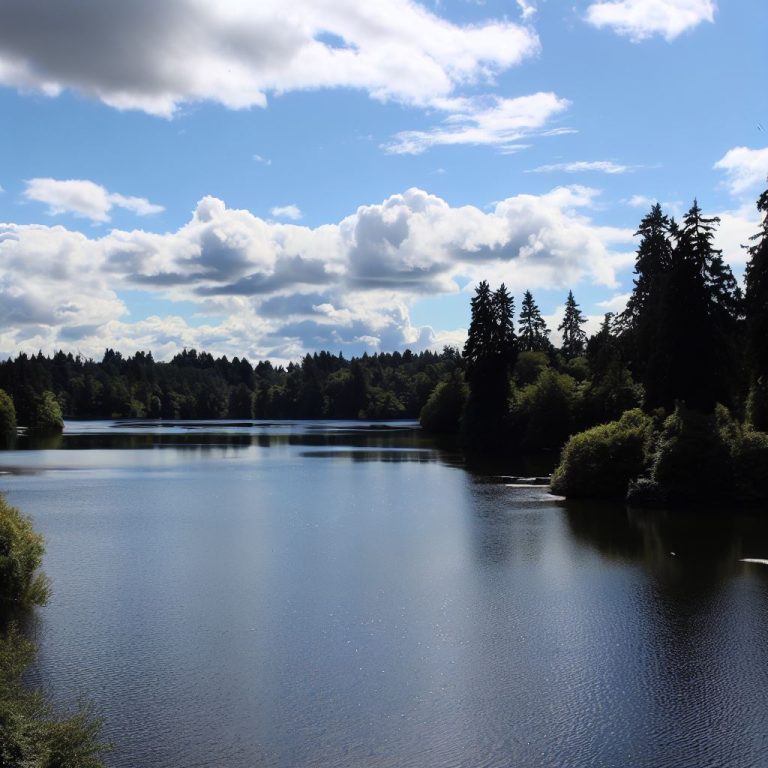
693,323
533,334
574,337
489,353
756,307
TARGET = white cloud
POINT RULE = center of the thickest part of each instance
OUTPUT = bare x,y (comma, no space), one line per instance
641,19
84,199
527,9
641,201
292,212
579,166
261,159
271,289
735,230
553,320
616,304
745,168
155,56
492,121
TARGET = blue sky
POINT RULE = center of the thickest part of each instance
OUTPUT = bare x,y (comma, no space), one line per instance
274,178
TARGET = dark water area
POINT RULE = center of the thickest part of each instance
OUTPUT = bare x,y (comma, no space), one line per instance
315,594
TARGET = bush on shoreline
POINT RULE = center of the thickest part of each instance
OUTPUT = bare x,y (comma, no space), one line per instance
21,553
7,419
601,462
702,458
31,732
46,415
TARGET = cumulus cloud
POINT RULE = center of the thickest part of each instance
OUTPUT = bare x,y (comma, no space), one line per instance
494,121
84,199
579,166
273,289
261,159
641,19
734,232
155,56
292,212
745,168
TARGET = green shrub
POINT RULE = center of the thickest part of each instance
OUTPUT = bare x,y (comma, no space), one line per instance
46,416
601,462
7,419
543,413
529,367
750,463
31,733
442,411
757,406
607,396
21,552
693,460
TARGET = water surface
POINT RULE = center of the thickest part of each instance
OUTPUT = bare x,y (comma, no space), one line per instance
315,594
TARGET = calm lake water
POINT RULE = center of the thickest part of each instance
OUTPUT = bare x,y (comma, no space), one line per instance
315,594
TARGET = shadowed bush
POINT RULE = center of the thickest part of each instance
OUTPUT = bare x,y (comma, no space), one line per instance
7,419
21,552
31,733
46,416
600,462
442,411
693,458
751,467
543,414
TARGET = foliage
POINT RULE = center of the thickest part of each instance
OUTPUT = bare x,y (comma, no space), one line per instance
756,305
7,419
692,461
195,385
46,416
443,409
529,367
533,334
681,329
574,337
601,461
544,411
31,733
757,405
750,462
489,354
21,552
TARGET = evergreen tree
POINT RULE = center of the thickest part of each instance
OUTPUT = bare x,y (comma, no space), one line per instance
574,337
481,335
756,306
693,323
7,419
533,333
489,353
654,258
638,325
504,340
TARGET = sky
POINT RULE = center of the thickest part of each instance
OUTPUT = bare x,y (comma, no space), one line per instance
275,178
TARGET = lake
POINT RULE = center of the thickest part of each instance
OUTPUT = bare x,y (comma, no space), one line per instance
322,594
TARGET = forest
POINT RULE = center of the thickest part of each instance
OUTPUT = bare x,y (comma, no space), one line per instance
685,364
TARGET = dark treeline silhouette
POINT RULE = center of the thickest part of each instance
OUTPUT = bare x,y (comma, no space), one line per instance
668,401
697,347
195,385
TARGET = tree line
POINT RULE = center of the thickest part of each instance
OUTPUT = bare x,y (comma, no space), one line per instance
196,385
